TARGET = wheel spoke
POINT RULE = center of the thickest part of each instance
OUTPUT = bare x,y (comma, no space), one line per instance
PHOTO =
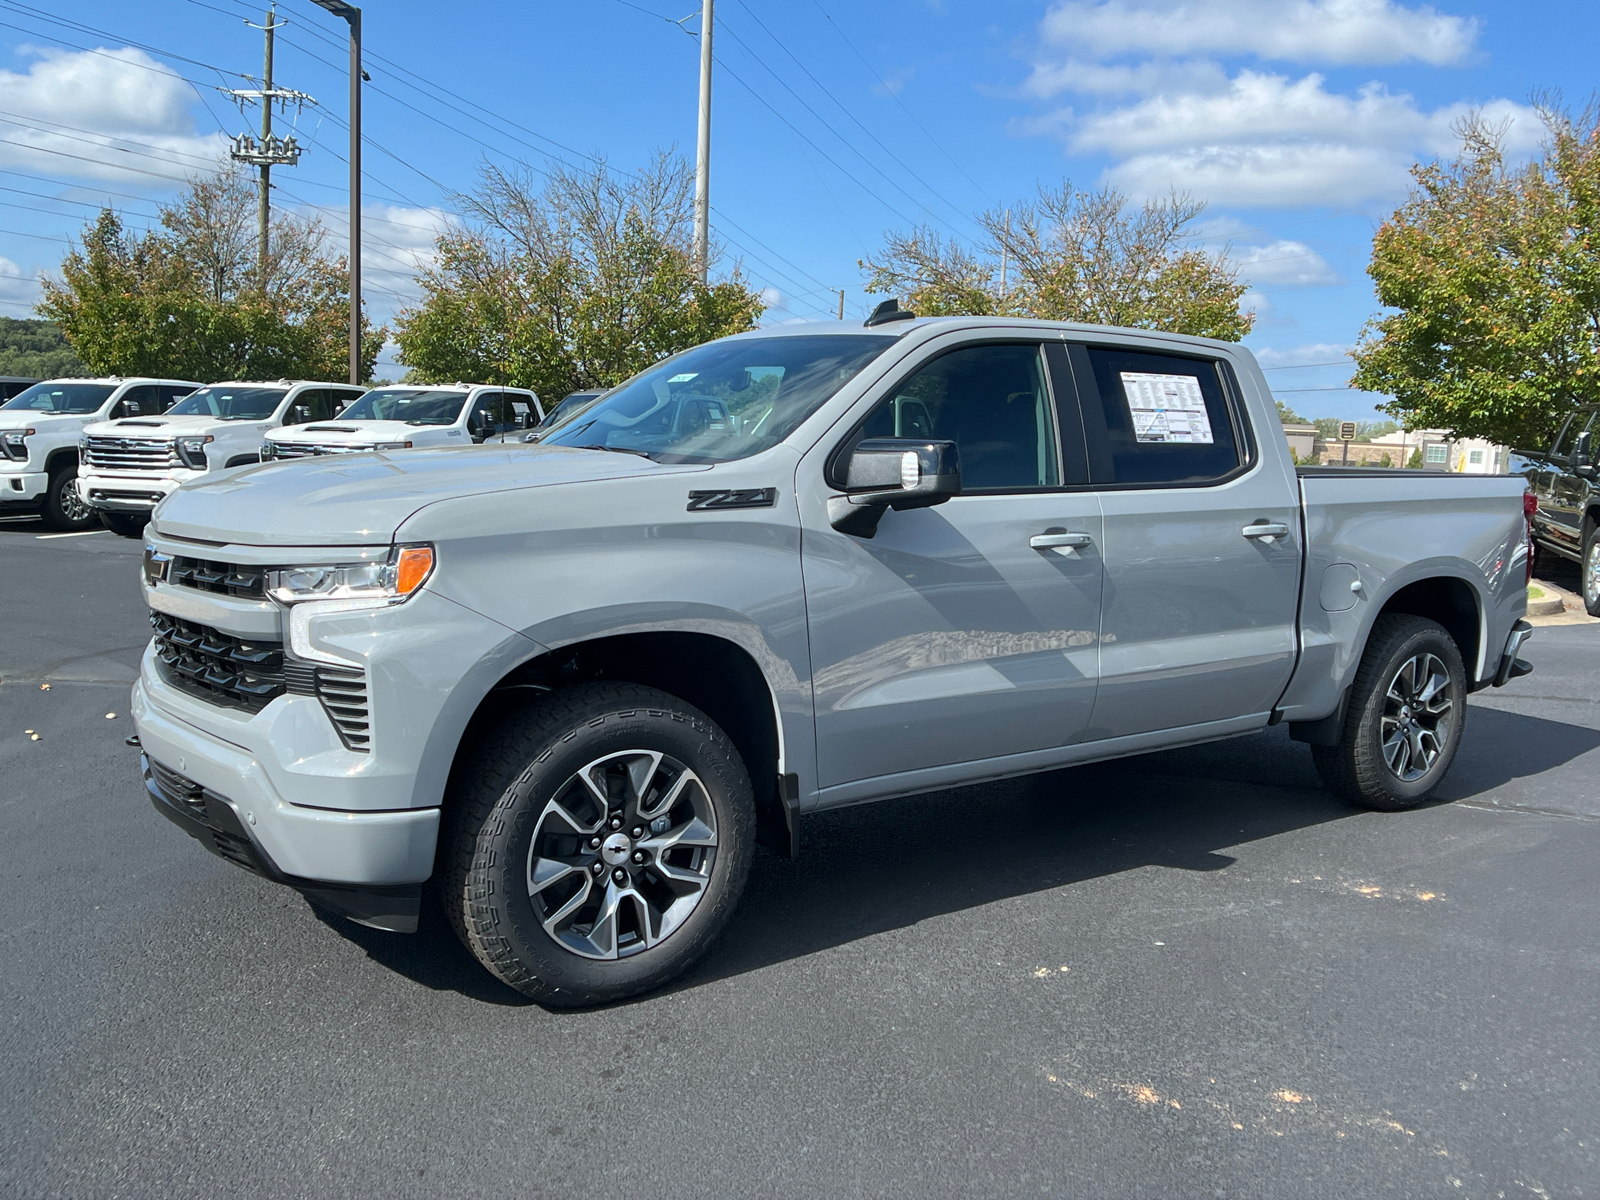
554,923
1394,749
603,934
666,803
547,871
555,809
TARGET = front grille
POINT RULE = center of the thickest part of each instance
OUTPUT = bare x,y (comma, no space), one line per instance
217,666
312,449
228,579
130,454
343,692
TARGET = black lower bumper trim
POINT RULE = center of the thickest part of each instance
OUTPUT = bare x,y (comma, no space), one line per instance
213,822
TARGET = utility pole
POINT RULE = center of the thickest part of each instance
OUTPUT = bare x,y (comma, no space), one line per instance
1005,255
702,159
270,151
841,302
352,15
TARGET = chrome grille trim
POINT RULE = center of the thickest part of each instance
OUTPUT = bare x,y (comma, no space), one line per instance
313,449
131,454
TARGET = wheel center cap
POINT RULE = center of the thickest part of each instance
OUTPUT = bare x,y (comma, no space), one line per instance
615,849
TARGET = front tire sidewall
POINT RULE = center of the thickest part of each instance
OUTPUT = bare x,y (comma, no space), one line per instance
519,949
1589,571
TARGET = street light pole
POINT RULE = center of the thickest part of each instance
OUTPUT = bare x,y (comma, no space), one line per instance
702,160
352,14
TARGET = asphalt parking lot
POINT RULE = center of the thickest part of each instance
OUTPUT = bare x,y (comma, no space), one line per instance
1189,974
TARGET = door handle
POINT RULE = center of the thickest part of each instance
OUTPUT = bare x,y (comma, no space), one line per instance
1267,531
1061,543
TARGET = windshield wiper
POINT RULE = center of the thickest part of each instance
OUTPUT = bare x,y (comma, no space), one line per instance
619,450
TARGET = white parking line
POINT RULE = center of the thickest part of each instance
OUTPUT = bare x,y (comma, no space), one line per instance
45,537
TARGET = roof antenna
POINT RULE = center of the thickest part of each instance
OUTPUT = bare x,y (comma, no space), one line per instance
888,311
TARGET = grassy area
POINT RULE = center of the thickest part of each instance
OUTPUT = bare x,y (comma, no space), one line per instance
1535,592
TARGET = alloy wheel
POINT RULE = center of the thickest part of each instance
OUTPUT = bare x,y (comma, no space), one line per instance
1418,715
622,854
71,503
1591,575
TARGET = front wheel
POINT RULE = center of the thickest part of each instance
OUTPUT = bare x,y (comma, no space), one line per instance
128,525
64,508
598,843
1405,717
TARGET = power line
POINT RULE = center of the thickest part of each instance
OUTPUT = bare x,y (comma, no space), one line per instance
1342,362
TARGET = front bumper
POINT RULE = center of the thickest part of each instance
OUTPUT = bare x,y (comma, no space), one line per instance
307,847
22,487
129,492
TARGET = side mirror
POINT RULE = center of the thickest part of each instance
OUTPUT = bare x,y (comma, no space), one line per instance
130,408
898,473
1580,457
302,414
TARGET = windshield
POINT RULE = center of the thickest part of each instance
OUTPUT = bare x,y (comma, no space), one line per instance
230,403
569,408
723,400
407,404
62,397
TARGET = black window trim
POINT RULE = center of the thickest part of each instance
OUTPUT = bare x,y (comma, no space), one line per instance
1098,437
833,470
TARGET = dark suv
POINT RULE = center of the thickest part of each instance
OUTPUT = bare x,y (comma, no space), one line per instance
1563,478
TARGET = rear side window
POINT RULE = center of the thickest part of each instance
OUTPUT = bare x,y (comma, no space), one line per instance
1167,419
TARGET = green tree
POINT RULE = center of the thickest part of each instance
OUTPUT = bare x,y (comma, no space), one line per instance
1415,461
1071,256
578,280
1492,273
184,300
1288,416
36,349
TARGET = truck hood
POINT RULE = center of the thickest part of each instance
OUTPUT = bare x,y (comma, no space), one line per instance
43,422
350,433
160,428
362,500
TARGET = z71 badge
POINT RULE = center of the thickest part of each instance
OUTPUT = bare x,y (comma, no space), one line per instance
739,498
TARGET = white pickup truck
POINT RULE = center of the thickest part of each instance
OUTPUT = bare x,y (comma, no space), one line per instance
39,430
408,415
128,466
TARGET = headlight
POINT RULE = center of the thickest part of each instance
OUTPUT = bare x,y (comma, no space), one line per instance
155,565
391,582
83,450
11,441
267,451
192,452
393,446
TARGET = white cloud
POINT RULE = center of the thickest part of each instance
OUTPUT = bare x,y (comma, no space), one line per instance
1282,262
1298,356
19,287
1346,32
397,243
109,114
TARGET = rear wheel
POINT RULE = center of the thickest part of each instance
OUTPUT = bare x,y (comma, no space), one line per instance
128,525
64,509
599,842
1404,721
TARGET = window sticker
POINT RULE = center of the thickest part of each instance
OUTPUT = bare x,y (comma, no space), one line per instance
685,377
1166,408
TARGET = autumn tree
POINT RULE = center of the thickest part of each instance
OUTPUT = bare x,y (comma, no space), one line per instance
1090,257
185,300
578,279
1491,273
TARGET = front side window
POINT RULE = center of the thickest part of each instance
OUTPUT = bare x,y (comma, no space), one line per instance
992,402
144,401
1167,420
226,403
721,401
431,407
62,397
312,404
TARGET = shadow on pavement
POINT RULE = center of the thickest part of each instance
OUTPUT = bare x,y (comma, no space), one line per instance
880,867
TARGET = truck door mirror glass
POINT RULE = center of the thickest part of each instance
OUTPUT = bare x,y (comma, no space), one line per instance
1580,452
130,408
898,473
302,414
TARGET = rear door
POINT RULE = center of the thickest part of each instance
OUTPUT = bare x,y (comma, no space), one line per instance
1567,491
950,637
1201,544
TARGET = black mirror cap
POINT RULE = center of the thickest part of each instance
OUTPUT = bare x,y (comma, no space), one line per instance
888,311
897,473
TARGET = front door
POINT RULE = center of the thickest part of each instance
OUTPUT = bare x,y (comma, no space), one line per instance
950,636
1202,545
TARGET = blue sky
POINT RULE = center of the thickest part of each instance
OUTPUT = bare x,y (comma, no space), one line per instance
1295,120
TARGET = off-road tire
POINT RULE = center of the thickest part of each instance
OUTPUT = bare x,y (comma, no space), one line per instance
497,795
58,511
128,525
1355,769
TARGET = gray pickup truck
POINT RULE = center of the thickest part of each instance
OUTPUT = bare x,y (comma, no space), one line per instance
570,686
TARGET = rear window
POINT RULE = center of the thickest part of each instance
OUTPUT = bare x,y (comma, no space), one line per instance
1167,419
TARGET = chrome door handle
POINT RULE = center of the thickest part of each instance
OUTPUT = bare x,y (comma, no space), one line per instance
1267,531
1061,543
